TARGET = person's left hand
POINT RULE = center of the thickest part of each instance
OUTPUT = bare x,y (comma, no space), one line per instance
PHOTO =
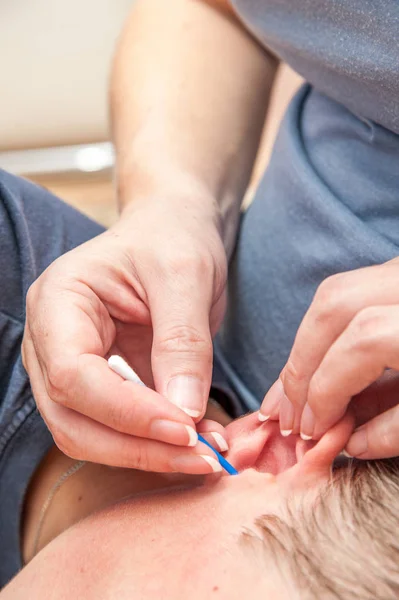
347,339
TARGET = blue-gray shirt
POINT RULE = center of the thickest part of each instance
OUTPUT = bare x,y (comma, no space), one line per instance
329,200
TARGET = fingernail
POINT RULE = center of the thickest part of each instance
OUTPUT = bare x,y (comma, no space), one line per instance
263,418
345,453
271,401
199,464
287,415
307,423
187,393
173,433
220,442
357,445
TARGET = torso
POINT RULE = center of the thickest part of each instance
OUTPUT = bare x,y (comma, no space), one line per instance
328,201
347,49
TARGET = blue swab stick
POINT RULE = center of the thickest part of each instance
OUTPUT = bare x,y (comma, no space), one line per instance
223,462
120,366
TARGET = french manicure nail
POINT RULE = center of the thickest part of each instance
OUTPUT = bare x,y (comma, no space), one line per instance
272,401
199,464
220,442
285,432
263,418
287,415
345,453
173,433
187,393
307,423
357,444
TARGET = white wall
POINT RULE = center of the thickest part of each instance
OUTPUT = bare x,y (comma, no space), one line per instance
54,65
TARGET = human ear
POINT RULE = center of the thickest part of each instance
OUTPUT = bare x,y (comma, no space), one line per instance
260,446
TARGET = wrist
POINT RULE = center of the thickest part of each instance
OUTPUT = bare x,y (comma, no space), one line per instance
167,191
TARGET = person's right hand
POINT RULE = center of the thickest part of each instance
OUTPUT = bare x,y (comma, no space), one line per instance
151,289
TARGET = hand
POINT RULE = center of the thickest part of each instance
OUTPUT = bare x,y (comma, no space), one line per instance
151,289
346,341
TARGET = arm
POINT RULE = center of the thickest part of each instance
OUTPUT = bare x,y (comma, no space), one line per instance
189,94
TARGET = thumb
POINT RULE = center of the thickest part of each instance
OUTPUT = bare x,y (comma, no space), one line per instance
182,347
379,438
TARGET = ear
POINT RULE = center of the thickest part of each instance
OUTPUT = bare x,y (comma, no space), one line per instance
316,462
260,446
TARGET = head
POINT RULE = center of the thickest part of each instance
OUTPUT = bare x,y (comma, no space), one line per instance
295,523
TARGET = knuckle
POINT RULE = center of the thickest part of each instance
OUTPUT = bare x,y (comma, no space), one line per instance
195,263
365,329
294,382
317,391
329,297
59,380
122,416
388,442
367,319
184,339
292,373
141,459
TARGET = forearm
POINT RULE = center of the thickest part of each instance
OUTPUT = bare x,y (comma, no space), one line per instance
189,94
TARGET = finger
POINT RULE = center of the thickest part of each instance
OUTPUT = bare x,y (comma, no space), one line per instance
320,457
97,392
76,377
81,438
368,346
379,397
214,433
271,403
337,300
182,345
379,438
66,323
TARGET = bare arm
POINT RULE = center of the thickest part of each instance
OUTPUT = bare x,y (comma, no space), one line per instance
189,93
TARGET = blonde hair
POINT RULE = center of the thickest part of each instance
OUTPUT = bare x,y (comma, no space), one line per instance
346,545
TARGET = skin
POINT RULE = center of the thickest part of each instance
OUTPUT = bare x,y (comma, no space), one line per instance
131,291
181,531
345,343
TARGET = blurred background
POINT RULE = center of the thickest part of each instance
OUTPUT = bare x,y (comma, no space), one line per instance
55,64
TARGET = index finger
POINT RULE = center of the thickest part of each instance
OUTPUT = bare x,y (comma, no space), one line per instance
337,300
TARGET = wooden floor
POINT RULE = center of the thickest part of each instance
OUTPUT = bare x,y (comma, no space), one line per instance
93,193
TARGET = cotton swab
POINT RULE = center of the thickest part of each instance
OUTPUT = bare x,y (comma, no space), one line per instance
120,366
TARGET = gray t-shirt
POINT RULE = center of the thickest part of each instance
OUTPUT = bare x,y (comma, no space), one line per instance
329,200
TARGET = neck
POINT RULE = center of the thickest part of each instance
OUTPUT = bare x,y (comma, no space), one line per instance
92,488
